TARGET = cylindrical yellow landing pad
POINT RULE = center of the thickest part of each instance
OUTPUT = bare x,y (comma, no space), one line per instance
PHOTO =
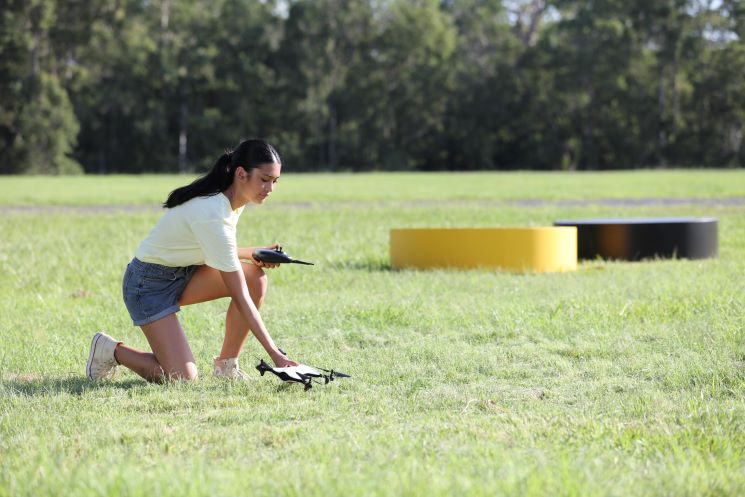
540,250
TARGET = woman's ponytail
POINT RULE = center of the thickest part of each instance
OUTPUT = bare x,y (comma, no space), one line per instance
249,155
210,184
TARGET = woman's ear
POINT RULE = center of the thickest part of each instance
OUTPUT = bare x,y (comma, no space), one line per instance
242,174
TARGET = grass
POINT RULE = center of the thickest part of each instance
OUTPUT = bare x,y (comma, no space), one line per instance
616,379
391,187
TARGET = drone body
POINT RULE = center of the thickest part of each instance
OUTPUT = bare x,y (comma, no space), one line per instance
300,374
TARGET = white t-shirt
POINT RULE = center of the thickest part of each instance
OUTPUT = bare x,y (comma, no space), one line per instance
199,231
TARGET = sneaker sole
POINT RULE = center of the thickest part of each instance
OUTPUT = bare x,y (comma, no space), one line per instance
94,342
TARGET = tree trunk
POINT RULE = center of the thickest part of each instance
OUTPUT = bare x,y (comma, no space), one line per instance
332,138
165,17
662,111
183,138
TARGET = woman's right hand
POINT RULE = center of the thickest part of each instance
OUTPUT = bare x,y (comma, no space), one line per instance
282,361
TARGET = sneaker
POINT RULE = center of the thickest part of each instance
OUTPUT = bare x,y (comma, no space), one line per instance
101,361
228,368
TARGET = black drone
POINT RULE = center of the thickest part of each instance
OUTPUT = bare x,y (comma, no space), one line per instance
301,374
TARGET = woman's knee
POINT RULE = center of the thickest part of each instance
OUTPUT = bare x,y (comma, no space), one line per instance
253,272
190,372
257,282
185,372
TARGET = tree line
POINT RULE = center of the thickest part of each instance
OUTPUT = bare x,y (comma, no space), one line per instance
125,86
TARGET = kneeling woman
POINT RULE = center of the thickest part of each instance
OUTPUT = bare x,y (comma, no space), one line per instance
191,256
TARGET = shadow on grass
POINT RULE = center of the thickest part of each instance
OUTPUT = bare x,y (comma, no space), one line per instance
368,265
73,385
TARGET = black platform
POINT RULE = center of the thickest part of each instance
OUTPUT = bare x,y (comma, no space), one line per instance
633,239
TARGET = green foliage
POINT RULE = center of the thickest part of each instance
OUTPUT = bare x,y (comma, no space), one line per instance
165,85
323,64
38,128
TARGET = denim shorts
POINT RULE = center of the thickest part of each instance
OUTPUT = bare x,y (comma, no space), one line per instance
151,291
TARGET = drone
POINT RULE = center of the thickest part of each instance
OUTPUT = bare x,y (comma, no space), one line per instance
301,374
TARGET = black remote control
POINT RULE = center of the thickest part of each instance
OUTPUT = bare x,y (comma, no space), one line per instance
276,256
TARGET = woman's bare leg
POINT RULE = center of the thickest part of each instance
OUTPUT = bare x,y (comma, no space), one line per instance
207,284
171,357
143,363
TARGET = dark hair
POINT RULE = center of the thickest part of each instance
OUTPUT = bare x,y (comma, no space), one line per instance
250,154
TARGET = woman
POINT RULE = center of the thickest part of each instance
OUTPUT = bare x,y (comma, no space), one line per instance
191,256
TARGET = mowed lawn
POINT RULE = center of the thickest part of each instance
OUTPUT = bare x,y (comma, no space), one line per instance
617,379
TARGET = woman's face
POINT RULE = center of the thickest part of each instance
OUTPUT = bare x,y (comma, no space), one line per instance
260,182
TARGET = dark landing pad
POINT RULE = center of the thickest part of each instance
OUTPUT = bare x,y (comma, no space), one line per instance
633,239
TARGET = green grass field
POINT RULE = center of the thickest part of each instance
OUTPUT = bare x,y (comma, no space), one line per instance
617,379
391,187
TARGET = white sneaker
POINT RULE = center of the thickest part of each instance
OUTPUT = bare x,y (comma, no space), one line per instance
101,361
228,368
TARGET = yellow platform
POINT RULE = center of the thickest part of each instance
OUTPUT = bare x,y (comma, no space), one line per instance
541,250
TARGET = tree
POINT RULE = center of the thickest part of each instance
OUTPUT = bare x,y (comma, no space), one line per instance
323,62
485,104
38,128
416,83
164,85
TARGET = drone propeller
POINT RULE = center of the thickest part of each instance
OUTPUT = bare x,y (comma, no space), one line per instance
335,374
